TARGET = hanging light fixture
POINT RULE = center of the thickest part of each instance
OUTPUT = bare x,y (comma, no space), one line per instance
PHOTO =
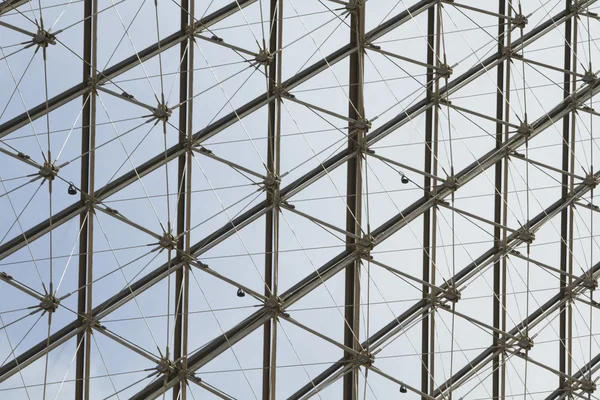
403,389
405,179
240,293
71,190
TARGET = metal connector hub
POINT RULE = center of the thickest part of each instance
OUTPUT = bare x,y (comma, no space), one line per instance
264,57
452,294
365,244
526,235
589,77
451,183
524,343
48,171
524,129
162,113
519,21
43,39
444,71
587,386
49,303
275,304
362,125
167,241
164,366
589,283
591,180
364,358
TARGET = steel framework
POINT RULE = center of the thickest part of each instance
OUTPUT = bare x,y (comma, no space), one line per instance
458,262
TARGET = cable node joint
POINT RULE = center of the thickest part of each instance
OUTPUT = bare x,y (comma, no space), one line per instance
525,129
165,366
589,283
589,78
264,57
443,71
167,241
364,245
591,180
48,171
519,21
49,303
524,343
451,183
162,112
452,294
43,38
364,358
526,235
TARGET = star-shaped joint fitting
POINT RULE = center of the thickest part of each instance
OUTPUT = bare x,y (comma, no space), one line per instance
43,38
526,235
364,358
48,171
49,303
162,112
275,305
589,77
264,57
167,241
165,366
524,343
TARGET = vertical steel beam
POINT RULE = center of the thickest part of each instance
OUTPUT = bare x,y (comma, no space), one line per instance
427,214
270,217
181,198
564,220
84,187
354,191
500,99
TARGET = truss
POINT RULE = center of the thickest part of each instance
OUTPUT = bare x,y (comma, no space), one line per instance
401,194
